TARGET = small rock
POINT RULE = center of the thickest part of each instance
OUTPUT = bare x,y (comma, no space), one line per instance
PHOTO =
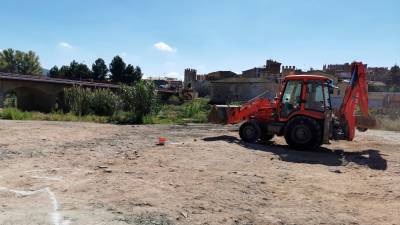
102,167
184,214
108,171
335,171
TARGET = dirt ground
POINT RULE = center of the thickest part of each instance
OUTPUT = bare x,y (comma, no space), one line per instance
63,173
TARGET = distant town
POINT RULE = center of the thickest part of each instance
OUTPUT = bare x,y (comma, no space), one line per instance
228,86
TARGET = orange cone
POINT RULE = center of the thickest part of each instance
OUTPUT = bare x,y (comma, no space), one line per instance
161,141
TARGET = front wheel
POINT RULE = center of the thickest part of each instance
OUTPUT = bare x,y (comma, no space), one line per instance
250,131
303,133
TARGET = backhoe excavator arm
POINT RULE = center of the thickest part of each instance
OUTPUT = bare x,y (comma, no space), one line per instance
356,94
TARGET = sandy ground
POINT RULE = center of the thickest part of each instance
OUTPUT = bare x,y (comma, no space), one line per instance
84,173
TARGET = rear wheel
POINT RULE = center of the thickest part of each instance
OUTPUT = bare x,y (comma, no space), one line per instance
250,131
303,133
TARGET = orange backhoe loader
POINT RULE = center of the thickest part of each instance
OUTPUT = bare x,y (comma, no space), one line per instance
302,112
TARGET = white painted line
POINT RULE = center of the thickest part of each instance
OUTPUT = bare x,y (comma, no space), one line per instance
48,178
56,216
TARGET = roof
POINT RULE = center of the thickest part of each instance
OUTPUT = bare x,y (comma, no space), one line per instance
325,74
305,77
242,80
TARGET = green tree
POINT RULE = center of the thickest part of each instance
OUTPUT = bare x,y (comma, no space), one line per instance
64,72
79,70
83,72
8,61
131,75
54,72
20,62
75,70
138,73
117,69
395,75
99,70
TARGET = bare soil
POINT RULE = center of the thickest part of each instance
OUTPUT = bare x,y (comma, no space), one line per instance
84,173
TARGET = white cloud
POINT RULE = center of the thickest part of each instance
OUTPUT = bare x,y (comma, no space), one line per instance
65,45
162,46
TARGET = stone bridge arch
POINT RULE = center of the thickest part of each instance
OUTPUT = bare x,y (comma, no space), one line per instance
34,99
40,93
41,98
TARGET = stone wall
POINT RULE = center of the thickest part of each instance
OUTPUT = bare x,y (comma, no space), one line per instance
202,87
241,89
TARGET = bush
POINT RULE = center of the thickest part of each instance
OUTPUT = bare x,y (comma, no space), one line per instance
194,107
10,100
78,100
140,99
104,102
84,101
122,117
15,114
195,111
173,100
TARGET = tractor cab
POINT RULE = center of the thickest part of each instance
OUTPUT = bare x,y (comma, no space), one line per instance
304,94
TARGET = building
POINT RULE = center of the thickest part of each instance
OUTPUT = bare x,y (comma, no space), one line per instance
377,73
166,82
342,71
272,70
218,75
190,76
288,70
201,83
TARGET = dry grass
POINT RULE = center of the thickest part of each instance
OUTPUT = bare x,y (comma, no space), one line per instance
388,124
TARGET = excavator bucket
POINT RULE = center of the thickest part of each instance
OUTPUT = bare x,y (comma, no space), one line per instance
365,122
219,113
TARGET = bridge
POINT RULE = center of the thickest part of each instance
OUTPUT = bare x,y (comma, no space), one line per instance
40,93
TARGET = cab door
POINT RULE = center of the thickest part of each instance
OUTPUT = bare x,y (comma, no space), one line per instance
291,98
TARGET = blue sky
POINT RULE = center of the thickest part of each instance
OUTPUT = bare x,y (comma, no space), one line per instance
164,37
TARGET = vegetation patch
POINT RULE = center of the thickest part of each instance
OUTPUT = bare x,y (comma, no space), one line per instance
16,114
195,111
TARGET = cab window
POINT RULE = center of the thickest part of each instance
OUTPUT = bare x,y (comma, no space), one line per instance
291,98
314,96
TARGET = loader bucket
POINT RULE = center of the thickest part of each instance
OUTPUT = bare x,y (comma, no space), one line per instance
219,113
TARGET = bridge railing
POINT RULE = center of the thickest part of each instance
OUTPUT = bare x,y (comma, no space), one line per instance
12,76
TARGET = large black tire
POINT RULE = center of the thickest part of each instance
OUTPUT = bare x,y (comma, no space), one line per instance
250,131
303,133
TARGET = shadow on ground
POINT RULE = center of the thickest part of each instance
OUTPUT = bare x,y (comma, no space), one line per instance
329,157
